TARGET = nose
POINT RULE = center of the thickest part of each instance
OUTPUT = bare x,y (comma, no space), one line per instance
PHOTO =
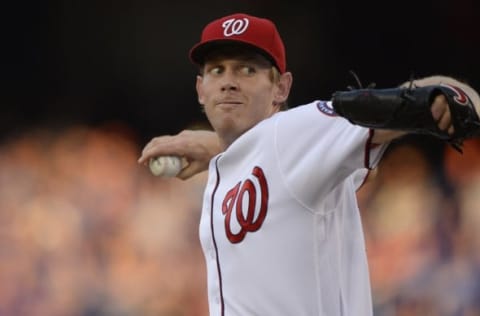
229,87
229,82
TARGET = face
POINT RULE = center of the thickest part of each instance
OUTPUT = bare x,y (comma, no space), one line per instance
237,92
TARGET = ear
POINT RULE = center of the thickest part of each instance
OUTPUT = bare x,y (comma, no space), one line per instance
283,88
199,88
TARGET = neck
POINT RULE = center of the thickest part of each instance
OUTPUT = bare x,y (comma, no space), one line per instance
227,136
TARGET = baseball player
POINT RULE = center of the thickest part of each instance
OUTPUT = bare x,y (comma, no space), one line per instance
280,227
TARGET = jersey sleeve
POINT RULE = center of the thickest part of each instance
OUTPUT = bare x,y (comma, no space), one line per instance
316,150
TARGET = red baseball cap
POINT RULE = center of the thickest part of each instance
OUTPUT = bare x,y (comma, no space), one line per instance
258,33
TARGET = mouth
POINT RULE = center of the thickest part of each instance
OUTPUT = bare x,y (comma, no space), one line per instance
228,104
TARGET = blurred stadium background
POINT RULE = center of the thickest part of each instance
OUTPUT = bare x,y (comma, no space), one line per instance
86,231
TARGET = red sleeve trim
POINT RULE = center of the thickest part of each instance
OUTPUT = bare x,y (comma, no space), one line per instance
368,147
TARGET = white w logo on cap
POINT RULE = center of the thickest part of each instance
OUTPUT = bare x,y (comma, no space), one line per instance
234,26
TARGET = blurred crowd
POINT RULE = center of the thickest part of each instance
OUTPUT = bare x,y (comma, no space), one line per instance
85,230
421,224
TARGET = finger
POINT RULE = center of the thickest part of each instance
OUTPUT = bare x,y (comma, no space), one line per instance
438,108
146,149
445,121
163,145
451,130
189,171
157,141
144,157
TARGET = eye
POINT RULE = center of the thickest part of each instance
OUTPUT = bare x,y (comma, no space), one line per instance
247,70
215,70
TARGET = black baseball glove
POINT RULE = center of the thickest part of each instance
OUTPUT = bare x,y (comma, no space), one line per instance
408,109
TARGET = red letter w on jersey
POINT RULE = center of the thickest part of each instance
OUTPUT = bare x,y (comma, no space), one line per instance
243,200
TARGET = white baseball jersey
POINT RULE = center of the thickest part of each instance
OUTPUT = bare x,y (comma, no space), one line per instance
280,227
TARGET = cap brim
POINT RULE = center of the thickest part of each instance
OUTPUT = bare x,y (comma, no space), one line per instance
201,50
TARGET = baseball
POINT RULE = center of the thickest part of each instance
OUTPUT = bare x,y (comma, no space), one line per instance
165,166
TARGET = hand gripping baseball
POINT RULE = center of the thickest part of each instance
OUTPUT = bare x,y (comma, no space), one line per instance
196,148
